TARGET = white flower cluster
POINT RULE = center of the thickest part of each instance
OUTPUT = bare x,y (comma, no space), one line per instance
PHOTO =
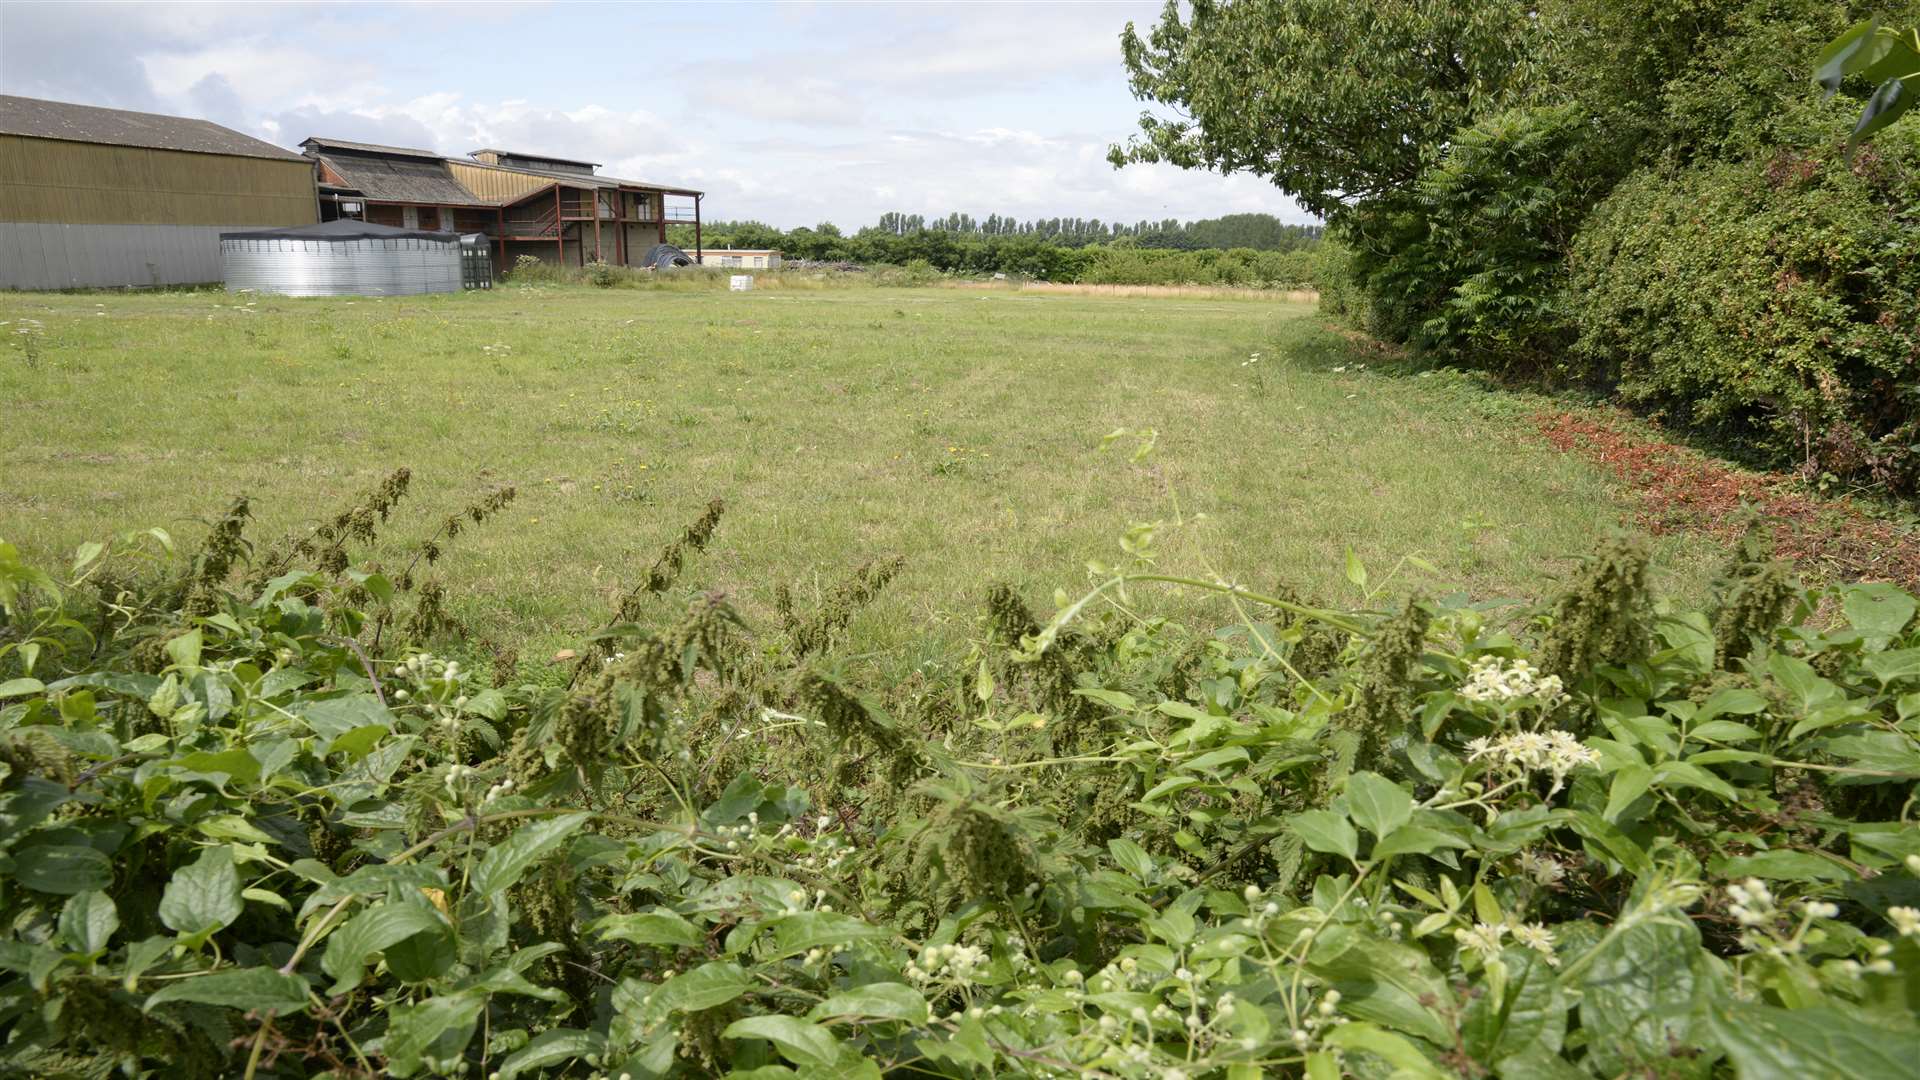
436,686
455,774
1905,920
1545,870
732,837
1752,902
1313,1025
1496,680
1555,752
1879,962
828,851
954,964
1488,939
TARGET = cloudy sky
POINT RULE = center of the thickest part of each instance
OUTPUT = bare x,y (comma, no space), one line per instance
789,113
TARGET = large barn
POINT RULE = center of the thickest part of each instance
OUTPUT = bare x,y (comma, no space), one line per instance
107,197
554,209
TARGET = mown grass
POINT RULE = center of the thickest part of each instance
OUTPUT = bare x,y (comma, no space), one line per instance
961,430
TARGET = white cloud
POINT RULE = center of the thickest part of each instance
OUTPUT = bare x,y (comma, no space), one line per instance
790,114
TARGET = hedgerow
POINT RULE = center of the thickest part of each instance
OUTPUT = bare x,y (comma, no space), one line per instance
1774,301
288,826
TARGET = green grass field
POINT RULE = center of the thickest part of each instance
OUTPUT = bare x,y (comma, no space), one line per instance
959,429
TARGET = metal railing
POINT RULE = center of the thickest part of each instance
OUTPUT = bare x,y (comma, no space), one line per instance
546,225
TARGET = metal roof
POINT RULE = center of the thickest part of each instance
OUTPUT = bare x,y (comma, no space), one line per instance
410,180
532,157
322,145
587,180
41,119
341,229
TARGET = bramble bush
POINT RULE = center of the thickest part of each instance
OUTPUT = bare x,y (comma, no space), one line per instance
1776,302
268,813
1470,265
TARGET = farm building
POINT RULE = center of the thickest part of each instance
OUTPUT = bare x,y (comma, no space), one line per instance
107,197
745,258
554,209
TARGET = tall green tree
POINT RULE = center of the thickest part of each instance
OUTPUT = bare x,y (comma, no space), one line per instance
1335,102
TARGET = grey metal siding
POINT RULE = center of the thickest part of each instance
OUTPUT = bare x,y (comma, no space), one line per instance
44,255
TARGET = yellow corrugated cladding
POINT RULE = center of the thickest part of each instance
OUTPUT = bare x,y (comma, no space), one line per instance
93,183
495,183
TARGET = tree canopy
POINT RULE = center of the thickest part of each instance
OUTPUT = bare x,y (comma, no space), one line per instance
1333,101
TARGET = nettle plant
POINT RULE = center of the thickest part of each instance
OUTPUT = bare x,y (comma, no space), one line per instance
262,816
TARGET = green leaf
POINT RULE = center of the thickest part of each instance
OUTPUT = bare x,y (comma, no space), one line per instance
1880,611
1390,983
883,1001
184,650
1738,701
1783,866
20,687
142,955
204,895
1628,784
1131,857
1639,998
1860,47
1889,667
702,988
504,863
85,554
1687,774
1405,1057
1799,678
1378,804
1722,731
373,931
330,718
88,921
550,1048
798,1041
440,1026
803,930
62,869
236,764
661,927
1416,840
245,989
1887,751
1356,571
1326,831
1530,1011
1767,1043
1112,699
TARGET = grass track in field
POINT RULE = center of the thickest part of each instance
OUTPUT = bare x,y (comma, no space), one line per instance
959,429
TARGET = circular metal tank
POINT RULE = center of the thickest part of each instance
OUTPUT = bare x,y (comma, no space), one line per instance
341,258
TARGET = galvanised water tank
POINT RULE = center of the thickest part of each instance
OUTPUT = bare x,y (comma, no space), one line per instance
341,258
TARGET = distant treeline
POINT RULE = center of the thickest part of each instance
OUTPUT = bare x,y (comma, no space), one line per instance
1239,249
1261,232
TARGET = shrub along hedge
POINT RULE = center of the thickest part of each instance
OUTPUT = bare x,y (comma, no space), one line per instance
1776,301
254,827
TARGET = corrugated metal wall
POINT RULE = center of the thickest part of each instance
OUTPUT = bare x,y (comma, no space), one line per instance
495,183
92,184
42,255
76,215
